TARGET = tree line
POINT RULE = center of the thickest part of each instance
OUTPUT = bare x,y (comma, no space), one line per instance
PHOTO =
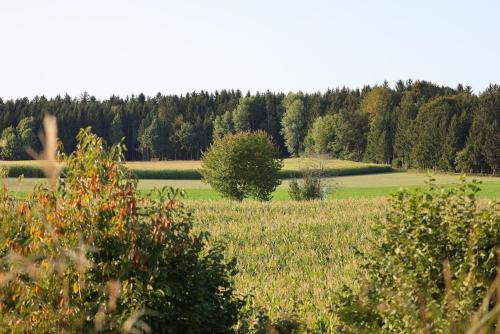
415,124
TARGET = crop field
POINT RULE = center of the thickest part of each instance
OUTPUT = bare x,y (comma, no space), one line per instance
188,169
292,256
341,187
292,164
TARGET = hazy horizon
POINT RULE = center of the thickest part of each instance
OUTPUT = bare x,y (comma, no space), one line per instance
124,47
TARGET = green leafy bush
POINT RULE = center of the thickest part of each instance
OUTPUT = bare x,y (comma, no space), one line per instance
244,164
431,269
89,255
308,189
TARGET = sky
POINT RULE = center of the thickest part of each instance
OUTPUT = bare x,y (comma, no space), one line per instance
105,47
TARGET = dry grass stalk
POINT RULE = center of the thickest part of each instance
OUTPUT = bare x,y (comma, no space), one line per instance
449,293
497,301
47,158
485,317
135,325
115,290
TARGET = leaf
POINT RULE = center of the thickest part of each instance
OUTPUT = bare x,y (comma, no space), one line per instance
76,287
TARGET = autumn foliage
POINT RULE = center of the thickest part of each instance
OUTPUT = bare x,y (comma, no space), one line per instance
86,253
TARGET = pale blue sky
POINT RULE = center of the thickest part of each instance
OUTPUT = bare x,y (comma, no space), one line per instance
54,47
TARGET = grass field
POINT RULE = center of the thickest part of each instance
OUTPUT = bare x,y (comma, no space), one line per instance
356,186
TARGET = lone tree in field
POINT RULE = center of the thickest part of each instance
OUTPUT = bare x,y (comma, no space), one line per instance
244,164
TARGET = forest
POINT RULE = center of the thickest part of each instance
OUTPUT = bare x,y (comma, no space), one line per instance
415,124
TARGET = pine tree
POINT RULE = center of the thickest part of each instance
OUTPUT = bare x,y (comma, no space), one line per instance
442,125
378,104
116,128
482,150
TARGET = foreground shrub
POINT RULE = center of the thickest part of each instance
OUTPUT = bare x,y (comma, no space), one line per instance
432,267
244,164
88,255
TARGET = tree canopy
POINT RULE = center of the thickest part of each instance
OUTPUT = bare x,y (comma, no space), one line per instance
415,124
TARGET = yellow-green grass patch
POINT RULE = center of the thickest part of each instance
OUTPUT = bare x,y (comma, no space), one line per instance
189,169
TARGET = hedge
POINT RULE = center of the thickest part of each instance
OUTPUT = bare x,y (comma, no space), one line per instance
192,174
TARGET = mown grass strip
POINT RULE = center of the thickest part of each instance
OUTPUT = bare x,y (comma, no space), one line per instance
489,190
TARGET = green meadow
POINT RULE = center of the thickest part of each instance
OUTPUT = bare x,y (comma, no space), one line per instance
341,187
